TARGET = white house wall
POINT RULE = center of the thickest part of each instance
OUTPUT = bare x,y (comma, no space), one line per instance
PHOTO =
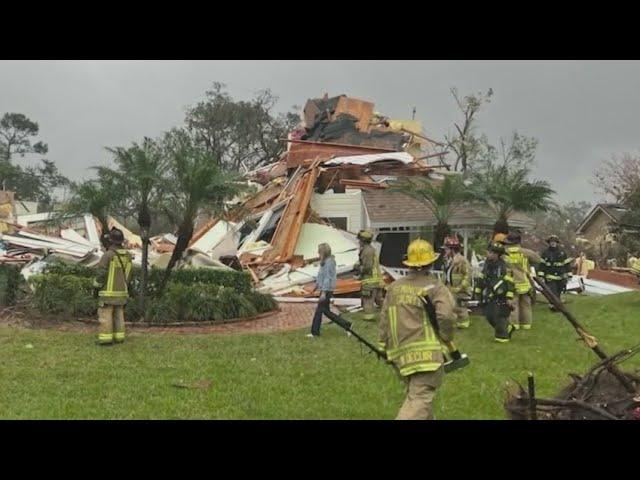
348,204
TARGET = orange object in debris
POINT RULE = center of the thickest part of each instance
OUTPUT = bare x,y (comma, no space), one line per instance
288,230
343,286
362,184
360,109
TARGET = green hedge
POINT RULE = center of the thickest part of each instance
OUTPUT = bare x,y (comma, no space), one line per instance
10,284
240,281
201,302
69,294
63,294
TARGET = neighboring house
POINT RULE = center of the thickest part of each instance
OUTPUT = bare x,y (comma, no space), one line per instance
398,218
599,223
342,210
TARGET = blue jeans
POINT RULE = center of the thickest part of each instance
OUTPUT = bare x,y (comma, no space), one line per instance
324,308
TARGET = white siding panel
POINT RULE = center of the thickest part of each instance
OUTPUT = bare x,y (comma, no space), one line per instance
348,204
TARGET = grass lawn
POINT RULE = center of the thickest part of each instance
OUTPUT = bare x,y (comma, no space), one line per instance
287,376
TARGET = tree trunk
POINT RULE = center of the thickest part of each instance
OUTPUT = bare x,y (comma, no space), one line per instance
185,232
105,229
442,230
144,220
145,273
501,226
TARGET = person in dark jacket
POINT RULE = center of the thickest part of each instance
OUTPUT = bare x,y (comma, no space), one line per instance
495,290
555,267
325,284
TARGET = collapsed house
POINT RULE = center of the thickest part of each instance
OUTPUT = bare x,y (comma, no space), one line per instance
332,181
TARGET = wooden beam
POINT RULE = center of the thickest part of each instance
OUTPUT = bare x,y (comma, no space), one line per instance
330,144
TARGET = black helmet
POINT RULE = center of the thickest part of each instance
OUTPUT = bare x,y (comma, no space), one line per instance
116,236
513,238
497,247
553,238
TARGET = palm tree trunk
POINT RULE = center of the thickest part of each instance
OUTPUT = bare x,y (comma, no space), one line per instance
442,230
144,220
145,272
185,232
501,225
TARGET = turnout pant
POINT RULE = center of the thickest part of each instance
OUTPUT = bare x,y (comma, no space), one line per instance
111,318
497,314
370,297
324,308
462,313
522,314
421,390
556,286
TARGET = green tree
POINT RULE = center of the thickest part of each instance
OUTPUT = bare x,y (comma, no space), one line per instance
98,197
139,177
16,134
442,199
465,144
619,176
197,184
505,190
34,183
517,153
239,134
562,221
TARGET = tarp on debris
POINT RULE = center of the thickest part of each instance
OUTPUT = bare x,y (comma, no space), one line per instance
403,157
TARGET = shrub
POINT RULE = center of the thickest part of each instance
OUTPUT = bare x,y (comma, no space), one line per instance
262,301
184,300
10,283
240,281
64,294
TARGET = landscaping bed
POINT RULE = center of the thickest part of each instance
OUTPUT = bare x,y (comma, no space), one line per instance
192,296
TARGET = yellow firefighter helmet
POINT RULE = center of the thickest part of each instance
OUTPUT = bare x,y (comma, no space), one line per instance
420,253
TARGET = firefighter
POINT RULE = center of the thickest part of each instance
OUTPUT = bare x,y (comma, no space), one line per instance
520,260
115,265
368,268
457,274
407,336
555,268
495,290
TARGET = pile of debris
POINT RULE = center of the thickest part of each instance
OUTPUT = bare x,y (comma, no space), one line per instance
597,395
31,238
341,146
603,392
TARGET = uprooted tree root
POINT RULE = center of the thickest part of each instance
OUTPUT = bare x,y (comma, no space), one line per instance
596,395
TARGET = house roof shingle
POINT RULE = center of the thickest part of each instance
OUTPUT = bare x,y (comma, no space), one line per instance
395,208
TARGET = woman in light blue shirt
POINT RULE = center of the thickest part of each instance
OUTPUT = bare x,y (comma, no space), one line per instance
325,284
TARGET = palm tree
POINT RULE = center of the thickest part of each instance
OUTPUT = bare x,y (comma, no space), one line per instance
197,183
442,198
140,176
98,197
506,190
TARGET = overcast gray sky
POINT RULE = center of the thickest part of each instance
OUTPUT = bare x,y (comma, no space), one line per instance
581,111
